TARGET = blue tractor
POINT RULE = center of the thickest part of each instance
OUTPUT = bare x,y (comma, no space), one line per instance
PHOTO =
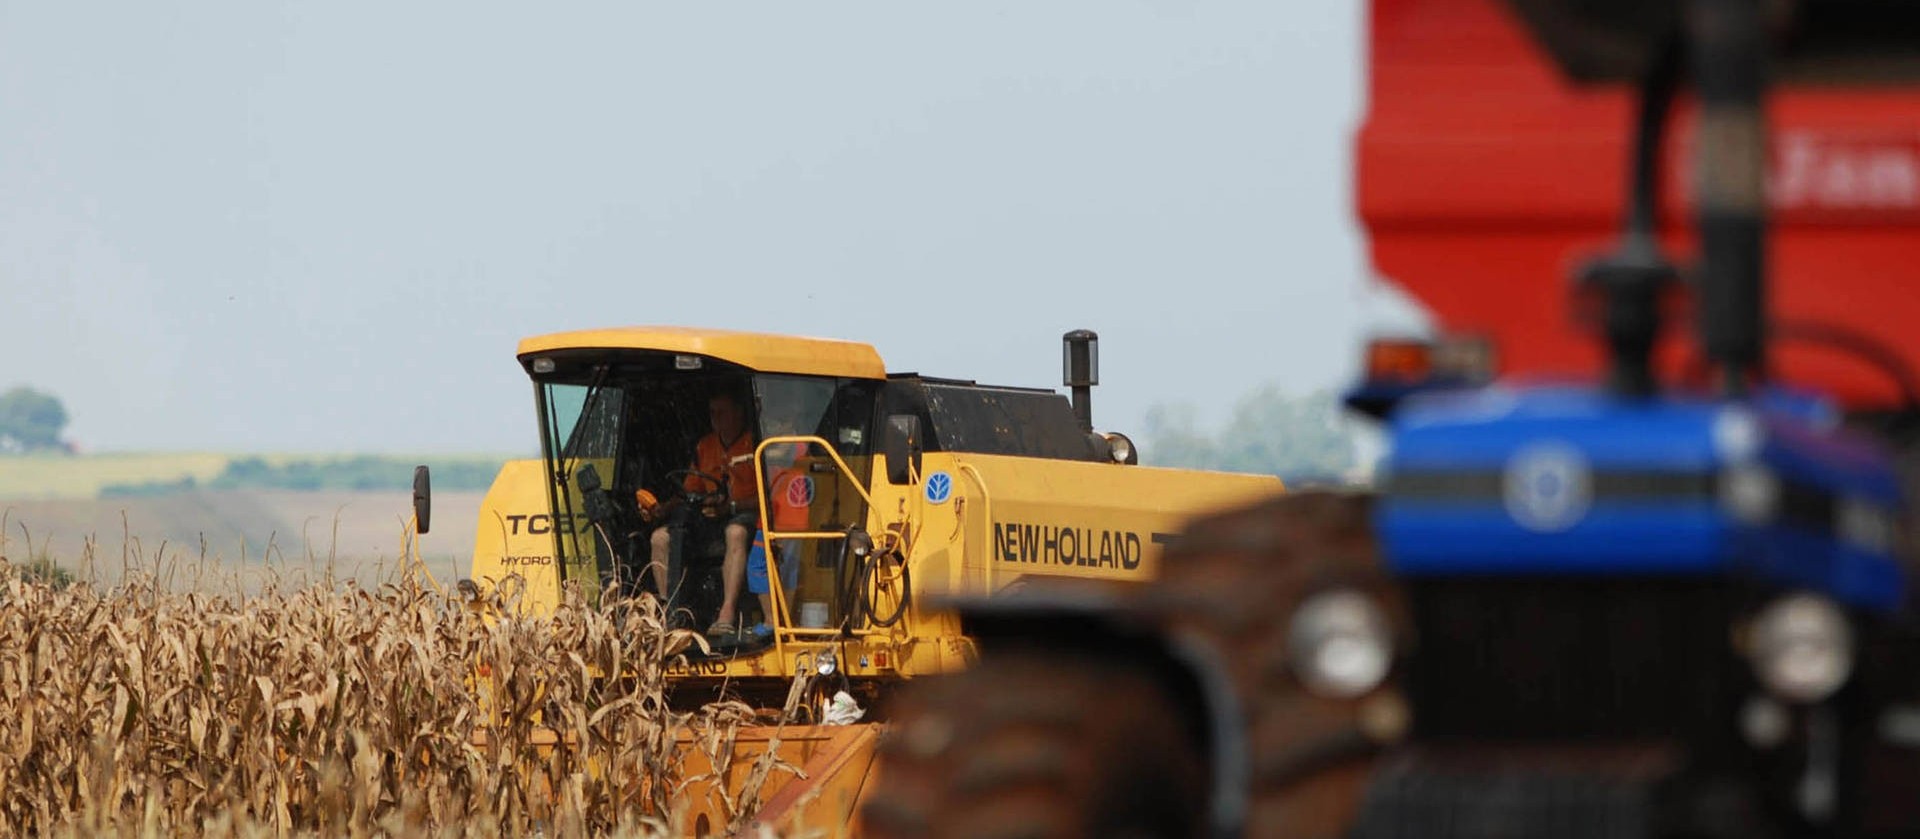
1626,608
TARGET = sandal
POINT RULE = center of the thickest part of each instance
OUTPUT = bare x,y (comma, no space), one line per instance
722,628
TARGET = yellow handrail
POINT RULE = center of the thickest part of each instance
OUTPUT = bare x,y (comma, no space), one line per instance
986,518
801,631
760,473
782,619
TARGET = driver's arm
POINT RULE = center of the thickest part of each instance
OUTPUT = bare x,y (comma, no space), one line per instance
750,501
689,484
715,495
691,481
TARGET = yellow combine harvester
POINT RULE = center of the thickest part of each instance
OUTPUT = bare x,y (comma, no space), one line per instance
804,507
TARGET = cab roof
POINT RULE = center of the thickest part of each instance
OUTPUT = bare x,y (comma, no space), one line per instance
759,351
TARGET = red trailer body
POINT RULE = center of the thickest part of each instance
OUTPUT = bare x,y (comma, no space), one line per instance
1485,177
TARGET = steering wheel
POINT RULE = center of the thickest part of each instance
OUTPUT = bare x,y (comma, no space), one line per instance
718,486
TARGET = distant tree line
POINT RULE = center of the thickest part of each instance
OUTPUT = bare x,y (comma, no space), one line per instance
1302,439
358,474
31,421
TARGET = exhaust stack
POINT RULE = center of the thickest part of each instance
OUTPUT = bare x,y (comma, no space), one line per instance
1729,63
1080,371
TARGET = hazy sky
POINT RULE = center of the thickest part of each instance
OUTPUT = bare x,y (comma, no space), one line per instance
264,226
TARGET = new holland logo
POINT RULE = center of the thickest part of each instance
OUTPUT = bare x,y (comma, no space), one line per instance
800,492
939,487
1549,487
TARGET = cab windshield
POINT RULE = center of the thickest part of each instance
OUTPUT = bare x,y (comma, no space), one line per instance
620,433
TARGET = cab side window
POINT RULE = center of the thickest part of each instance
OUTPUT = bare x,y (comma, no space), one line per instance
848,423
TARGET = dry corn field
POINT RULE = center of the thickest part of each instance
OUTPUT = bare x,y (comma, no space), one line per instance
335,709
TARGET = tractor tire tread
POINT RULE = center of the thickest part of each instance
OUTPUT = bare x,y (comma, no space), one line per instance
1037,745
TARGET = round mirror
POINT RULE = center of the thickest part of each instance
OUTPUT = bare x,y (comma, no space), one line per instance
422,499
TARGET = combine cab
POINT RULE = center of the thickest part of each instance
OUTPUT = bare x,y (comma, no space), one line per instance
859,498
1639,564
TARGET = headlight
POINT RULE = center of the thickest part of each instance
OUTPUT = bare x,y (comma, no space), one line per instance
1750,493
1121,449
1802,648
1737,435
1340,644
859,544
1861,524
826,664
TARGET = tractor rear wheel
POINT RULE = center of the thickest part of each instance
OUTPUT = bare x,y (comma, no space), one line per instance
1037,744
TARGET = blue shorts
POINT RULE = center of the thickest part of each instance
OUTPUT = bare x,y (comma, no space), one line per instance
789,562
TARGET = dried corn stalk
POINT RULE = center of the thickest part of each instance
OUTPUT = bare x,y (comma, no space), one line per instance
335,710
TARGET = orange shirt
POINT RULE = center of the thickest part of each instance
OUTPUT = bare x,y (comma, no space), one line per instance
792,494
734,463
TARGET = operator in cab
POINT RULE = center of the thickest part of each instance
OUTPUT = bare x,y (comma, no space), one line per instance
723,465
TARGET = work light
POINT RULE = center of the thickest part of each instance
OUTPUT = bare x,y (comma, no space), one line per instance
1340,644
1802,648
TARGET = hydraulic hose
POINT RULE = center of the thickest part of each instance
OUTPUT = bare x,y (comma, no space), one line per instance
1650,132
1634,277
867,579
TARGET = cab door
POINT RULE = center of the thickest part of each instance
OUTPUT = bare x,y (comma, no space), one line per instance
815,462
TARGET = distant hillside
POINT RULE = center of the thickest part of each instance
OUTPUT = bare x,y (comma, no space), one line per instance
124,475
47,476
350,474
359,531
